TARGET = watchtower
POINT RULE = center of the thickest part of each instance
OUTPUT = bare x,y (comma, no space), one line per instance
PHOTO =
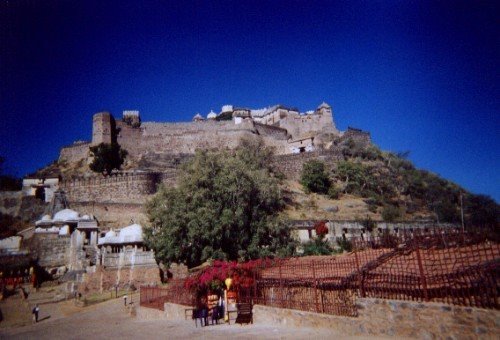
325,111
102,128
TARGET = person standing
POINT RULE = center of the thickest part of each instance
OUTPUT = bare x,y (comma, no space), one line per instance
35,312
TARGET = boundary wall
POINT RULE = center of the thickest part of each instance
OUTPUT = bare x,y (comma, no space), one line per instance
377,317
391,318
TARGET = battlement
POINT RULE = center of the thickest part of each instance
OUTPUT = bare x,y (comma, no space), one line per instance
121,187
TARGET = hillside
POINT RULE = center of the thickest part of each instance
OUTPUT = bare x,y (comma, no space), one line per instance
363,182
370,183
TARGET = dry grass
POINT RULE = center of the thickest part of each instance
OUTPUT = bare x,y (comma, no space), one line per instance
302,206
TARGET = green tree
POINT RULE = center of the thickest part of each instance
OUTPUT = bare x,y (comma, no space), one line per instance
353,175
314,178
225,206
107,157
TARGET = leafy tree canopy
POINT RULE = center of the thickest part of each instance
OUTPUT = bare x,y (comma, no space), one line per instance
314,178
225,206
107,157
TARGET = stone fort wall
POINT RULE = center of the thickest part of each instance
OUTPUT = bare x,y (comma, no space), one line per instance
75,152
291,165
186,137
181,138
137,187
118,188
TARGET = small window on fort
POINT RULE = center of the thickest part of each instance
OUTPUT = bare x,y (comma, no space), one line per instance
302,149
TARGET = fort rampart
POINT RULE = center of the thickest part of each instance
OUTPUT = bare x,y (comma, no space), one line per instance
136,187
291,165
74,152
118,188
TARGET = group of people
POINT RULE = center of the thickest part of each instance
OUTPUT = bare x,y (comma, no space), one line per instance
202,311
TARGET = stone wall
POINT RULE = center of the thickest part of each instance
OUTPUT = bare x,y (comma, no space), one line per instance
102,279
128,258
291,165
351,229
112,214
119,188
74,153
177,138
358,136
298,126
118,199
391,318
51,250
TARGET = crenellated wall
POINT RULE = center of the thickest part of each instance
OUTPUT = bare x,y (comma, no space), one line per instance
118,188
137,187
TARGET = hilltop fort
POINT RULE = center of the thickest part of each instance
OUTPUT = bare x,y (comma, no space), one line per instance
286,129
155,151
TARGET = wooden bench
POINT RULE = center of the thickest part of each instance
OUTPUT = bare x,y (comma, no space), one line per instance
245,314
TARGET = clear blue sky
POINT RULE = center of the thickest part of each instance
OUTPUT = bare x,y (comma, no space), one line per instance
419,75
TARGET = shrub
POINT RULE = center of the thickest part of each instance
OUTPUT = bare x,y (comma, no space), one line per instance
333,192
314,177
107,157
391,213
317,246
344,244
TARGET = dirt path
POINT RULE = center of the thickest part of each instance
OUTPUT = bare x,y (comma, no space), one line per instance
111,320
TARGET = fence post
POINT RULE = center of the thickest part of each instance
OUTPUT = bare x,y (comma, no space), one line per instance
422,274
360,275
281,286
254,286
315,288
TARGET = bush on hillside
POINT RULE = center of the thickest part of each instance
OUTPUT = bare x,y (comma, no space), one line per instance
314,177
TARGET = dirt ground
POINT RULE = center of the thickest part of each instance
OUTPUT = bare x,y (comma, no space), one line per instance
110,319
